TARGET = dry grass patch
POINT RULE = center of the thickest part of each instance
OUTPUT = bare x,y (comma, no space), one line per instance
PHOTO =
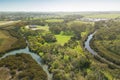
6,41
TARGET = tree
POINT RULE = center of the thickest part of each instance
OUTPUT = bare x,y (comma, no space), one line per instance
55,29
49,37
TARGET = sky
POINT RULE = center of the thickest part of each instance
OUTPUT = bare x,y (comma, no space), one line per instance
59,5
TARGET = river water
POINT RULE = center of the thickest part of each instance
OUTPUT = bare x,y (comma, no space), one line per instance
87,46
36,57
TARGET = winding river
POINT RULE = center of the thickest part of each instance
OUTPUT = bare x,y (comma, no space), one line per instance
87,46
36,57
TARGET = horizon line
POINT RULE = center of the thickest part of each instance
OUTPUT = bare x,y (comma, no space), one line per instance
63,11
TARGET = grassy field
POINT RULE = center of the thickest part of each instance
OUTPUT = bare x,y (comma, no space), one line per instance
54,20
9,38
6,41
79,22
46,28
109,15
8,22
1,22
62,39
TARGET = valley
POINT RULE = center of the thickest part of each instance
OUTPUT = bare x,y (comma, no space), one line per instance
59,46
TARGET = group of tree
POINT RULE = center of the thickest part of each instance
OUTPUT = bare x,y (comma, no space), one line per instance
108,39
23,67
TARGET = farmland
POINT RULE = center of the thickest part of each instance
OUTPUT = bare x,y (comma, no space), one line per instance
102,15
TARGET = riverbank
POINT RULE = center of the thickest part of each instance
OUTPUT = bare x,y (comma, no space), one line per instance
33,55
95,54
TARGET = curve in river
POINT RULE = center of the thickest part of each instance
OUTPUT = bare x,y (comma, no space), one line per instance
87,46
34,56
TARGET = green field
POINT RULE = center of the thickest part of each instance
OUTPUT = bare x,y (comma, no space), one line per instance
54,20
79,22
46,28
62,39
109,15
84,34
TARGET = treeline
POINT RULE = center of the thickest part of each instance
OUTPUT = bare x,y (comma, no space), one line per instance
107,40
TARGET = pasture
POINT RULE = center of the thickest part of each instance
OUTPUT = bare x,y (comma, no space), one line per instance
62,39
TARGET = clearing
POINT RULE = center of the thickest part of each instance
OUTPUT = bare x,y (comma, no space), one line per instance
62,39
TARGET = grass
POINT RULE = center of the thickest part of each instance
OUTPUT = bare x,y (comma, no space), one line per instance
10,39
79,50
109,15
1,41
108,75
54,20
4,73
62,39
83,34
2,23
3,34
79,22
6,41
46,28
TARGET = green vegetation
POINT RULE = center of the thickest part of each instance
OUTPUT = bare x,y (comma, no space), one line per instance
49,38
10,38
21,67
78,22
6,39
108,75
3,22
107,45
69,58
62,39
102,15
59,40
54,20
46,28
